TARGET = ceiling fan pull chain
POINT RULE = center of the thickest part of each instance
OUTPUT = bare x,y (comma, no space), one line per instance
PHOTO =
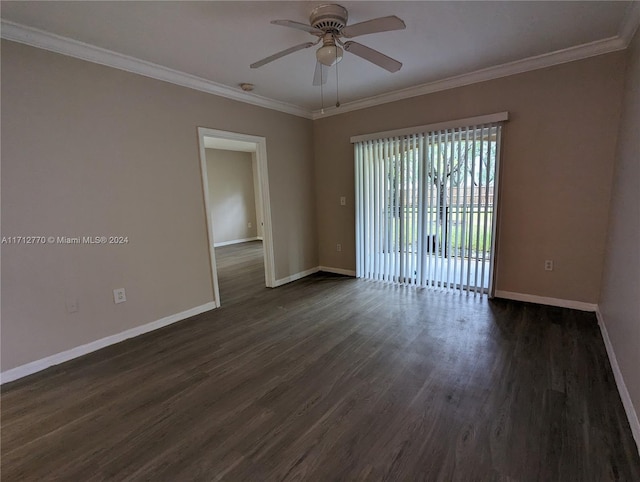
321,92
337,91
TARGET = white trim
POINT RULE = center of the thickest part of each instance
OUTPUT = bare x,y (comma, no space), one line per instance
235,241
263,177
469,121
630,23
267,227
346,272
543,300
80,50
558,57
208,218
295,277
38,365
632,415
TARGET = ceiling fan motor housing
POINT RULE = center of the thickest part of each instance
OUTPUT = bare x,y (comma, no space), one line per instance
329,18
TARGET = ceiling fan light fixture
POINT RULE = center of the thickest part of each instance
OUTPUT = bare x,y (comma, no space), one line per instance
329,24
329,55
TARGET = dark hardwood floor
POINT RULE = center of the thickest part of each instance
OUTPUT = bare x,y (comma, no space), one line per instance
330,378
240,271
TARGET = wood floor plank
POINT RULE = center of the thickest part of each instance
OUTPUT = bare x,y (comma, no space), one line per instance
330,378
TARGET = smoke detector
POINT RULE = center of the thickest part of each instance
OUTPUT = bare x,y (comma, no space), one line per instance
246,86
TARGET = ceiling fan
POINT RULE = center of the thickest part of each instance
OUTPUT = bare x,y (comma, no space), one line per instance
329,24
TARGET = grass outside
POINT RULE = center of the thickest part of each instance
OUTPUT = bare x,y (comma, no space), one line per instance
466,230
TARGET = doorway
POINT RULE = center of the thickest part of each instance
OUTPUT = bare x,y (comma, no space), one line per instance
256,147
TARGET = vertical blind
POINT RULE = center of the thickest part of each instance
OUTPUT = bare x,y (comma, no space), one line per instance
425,207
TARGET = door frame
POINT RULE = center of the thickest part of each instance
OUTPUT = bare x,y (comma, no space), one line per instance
263,187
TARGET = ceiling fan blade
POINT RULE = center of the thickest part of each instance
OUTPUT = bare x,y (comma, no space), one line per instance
288,51
382,24
373,56
321,74
298,25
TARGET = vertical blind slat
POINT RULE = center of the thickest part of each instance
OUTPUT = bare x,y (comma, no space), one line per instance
471,206
368,210
436,189
448,218
465,207
420,212
377,208
478,209
431,232
442,207
414,212
403,220
456,181
358,204
387,213
486,206
403,210
392,209
494,218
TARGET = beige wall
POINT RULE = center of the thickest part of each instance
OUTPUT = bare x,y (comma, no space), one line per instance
556,170
231,195
620,296
91,150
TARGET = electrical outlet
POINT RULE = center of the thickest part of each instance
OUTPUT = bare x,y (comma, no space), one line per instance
248,225
338,247
548,265
119,296
343,200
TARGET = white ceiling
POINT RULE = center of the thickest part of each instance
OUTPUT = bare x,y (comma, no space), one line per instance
217,41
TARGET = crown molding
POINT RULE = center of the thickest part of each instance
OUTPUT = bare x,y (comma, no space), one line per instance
570,54
630,22
74,48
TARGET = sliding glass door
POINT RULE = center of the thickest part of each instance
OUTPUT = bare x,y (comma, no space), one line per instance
425,207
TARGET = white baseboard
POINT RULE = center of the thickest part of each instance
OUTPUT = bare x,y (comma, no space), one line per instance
632,415
543,300
346,272
235,241
38,365
305,273
294,277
